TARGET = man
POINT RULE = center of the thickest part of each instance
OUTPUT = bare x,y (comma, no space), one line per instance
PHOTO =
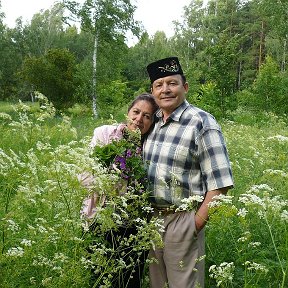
186,155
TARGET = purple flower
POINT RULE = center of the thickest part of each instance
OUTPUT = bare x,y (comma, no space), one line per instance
121,161
138,150
128,153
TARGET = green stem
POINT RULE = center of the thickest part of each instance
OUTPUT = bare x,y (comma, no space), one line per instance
278,257
7,200
64,197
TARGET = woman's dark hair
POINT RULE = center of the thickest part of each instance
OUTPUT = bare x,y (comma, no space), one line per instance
145,97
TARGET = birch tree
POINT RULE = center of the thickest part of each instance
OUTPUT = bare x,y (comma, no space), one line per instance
105,19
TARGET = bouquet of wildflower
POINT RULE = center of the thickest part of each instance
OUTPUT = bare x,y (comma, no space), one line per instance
125,196
124,157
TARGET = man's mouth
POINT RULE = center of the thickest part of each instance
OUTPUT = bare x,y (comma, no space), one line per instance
167,97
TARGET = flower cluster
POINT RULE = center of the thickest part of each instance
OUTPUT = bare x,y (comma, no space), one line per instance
124,157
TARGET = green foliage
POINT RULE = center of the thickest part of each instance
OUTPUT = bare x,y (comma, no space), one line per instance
144,52
249,226
270,88
42,239
52,75
10,60
223,42
113,95
78,110
208,98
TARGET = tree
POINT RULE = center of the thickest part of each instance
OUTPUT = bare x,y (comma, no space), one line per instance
106,20
277,18
147,50
9,61
52,75
222,71
270,88
42,33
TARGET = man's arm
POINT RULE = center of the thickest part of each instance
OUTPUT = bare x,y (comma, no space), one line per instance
202,216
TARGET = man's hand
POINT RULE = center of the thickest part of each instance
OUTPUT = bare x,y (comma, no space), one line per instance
201,216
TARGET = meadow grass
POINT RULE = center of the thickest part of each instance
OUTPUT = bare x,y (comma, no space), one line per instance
42,243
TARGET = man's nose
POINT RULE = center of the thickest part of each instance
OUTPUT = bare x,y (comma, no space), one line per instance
165,87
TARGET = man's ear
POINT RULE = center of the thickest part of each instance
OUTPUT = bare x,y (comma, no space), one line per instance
186,86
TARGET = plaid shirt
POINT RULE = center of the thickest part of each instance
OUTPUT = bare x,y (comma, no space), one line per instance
186,156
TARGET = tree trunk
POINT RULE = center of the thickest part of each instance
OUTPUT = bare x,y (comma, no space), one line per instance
239,75
260,46
94,77
32,96
283,66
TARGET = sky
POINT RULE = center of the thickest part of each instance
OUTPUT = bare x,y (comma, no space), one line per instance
155,15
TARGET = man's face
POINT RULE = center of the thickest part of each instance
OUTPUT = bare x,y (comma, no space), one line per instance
169,92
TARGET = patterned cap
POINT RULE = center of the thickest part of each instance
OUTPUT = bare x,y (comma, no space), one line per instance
164,67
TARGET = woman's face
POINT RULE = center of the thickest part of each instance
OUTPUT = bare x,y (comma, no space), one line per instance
140,116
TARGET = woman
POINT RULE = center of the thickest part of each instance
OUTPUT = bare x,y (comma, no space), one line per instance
140,116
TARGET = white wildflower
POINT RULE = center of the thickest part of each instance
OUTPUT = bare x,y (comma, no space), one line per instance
219,200
261,214
139,220
279,138
60,257
245,237
43,146
276,203
148,209
15,252
254,244
251,199
190,203
77,239
242,212
46,281
31,227
41,229
5,116
222,274
256,267
42,220
258,188
33,201
27,243
56,268
42,261
284,216
276,172
12,226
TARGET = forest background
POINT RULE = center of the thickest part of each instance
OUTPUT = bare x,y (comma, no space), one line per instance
233,53
234,56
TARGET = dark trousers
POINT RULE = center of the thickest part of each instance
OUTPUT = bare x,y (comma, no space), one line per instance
130,277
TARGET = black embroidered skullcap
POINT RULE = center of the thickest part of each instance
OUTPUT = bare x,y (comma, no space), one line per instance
164,67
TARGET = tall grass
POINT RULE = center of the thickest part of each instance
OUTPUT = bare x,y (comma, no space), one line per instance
42,243
247,237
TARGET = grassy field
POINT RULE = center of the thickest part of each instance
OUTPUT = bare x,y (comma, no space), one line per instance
42,243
